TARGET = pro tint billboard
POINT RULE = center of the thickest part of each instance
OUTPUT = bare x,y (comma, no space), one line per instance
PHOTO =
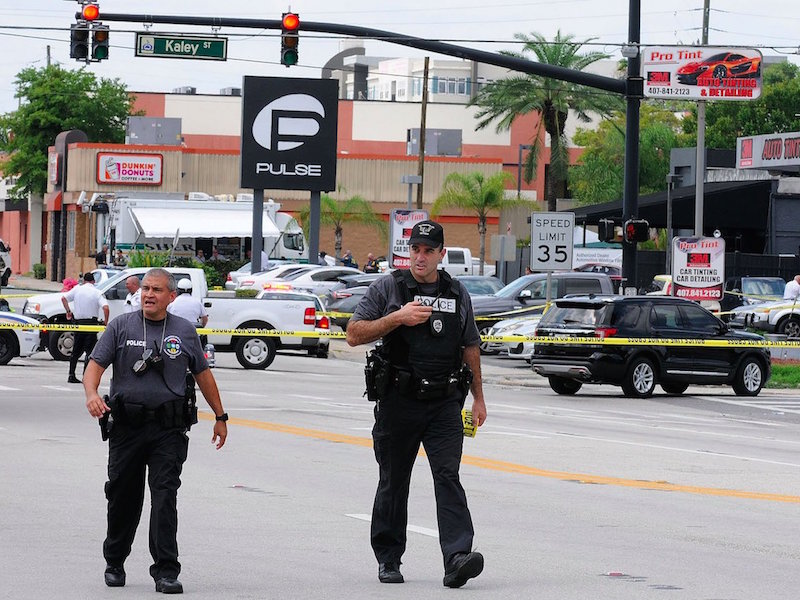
695,73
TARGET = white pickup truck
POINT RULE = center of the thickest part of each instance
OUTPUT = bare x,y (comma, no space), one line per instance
298,313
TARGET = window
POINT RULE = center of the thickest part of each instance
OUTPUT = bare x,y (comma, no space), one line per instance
626,316
665,316
538,288
441,88
699,320
588,285
451,85
71,230
455,257
462,86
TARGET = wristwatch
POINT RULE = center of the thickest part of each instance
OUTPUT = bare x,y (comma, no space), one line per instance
223,417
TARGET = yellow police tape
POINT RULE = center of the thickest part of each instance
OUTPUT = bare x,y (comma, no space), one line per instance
608,341
16,295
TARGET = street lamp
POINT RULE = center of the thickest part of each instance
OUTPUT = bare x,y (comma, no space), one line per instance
671,179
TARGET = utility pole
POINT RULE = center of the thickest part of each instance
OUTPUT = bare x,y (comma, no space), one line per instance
700,156
423,118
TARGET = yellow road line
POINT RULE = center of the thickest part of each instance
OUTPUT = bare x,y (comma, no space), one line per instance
508,467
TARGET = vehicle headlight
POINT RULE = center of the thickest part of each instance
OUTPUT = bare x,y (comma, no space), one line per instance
31,308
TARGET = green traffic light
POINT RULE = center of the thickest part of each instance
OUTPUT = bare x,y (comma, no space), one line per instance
100,53
289,57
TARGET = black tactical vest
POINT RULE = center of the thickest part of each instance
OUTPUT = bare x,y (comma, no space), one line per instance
431,350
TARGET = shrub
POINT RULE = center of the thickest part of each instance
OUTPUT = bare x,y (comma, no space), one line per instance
246,293
39,271
148,258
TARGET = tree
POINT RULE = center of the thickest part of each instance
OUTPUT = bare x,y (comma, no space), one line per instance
335,213
506,99
774,111
53,100
479,194
599,174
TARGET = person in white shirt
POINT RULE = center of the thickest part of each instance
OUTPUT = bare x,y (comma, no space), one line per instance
187,306
87,302
133,301
792,289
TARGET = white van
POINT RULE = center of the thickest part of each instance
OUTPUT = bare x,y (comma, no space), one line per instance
457,261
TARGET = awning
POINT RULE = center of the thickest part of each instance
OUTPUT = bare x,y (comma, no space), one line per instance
198,222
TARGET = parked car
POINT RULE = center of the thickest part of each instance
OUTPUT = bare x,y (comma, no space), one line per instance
525,325
345,301
232,279
748,291
317,280
781,317
613,271
481,285
18,341
257,280
639,368
529,294
102,274
318,347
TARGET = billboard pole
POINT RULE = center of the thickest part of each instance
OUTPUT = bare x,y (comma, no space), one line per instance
700,157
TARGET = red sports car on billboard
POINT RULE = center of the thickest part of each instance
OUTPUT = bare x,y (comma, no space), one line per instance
720,66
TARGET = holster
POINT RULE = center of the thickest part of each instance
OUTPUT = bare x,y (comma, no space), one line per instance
190,403
377,374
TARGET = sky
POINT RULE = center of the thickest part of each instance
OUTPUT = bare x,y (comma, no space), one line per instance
27,29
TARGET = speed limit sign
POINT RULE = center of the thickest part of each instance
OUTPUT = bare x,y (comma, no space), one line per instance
551,241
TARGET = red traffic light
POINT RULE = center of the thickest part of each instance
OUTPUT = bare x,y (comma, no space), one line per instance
290,21
90,12
637,230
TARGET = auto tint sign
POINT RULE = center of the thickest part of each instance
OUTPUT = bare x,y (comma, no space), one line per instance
129,168
691,72
401,222
768,151
698,268
289,133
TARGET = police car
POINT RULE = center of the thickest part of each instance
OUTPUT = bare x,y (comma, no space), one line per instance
18,341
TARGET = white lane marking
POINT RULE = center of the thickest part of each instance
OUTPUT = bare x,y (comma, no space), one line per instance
415,528
514,434
62,388
4,388
775,406
304,397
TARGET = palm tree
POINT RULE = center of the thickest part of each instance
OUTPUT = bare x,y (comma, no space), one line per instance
336,213
479,194
507,99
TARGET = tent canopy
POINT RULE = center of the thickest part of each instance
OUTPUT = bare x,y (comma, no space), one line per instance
198,222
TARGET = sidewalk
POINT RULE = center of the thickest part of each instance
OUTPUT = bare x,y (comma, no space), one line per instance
21,282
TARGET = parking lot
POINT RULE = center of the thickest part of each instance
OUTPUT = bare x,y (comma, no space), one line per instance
593,496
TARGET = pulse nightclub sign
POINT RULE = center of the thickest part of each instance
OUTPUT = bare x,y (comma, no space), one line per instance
289,134
701,73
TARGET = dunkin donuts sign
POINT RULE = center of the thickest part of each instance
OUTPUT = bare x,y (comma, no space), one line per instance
129,168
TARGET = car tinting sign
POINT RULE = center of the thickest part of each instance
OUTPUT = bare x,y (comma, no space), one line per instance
698,267
701,73
289,133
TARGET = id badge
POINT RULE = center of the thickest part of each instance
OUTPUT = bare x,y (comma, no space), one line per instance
437,324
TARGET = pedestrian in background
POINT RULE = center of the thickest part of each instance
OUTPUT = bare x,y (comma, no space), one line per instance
371,266
322,260
429,360
347,260
88,302
792,289
119,259
133,301
146,418
101,258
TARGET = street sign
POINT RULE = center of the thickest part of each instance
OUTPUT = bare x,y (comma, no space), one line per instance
156,45
551,241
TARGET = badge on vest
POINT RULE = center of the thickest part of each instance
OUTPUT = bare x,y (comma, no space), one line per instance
446,305
437,325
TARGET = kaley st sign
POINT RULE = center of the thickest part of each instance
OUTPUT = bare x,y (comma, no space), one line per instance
701,73
289,133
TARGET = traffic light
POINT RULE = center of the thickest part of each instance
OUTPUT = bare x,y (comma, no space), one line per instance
637,230
99,41
90,11
290,23
605,230
79,41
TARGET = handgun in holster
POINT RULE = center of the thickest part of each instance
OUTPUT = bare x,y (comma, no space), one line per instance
376,375
107,420
190,404
464,380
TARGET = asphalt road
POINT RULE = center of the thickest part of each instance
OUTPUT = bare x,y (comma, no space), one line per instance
592,496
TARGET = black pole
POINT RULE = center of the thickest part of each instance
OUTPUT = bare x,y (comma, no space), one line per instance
257,242
315,209
633,94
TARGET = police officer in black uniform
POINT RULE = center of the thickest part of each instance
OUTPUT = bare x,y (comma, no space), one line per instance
150,409
420,375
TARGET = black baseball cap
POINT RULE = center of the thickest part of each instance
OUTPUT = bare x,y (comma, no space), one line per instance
89,276
429,233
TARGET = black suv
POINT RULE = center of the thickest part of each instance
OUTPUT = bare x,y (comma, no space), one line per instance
639,368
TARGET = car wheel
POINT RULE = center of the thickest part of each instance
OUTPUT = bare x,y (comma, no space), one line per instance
749,378
255,352
674,388
484,346
640,380
60,344
8,346
322,352
564,386
720,72
790,327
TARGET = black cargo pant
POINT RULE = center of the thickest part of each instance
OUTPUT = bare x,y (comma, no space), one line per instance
401,424
83,342
162,453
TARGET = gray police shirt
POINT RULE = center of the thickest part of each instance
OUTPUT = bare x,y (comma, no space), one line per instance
122,344
383,298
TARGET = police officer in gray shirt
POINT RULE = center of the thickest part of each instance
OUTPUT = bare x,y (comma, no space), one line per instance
146,419
428,360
